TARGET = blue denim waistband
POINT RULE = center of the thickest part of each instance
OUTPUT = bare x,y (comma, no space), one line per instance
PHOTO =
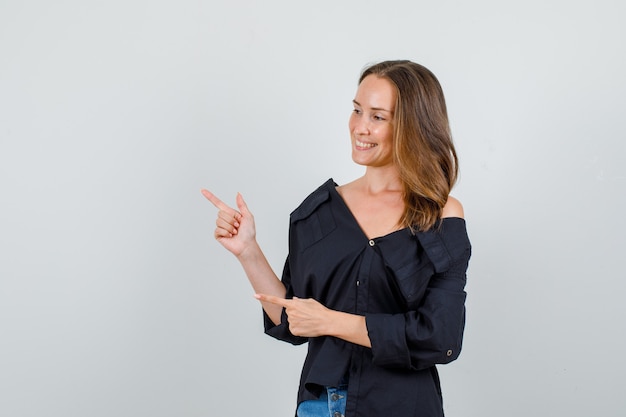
331,403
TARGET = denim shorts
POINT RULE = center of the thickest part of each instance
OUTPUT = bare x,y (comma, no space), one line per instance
332,403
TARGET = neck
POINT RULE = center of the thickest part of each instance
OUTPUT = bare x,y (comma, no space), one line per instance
377,179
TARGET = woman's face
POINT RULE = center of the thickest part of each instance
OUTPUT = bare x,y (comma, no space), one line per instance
371,122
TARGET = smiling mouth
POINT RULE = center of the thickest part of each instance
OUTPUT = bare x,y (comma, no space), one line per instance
365,145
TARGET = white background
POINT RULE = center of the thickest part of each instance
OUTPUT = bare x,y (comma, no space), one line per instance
116,301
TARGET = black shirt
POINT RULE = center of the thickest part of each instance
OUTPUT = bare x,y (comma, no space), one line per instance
410,288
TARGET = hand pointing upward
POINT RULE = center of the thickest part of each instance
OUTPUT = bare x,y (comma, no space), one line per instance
235,229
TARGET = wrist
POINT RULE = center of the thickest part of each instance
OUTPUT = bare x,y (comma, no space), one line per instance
333,323
328,325
249,252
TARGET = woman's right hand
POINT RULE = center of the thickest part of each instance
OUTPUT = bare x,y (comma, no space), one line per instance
235,228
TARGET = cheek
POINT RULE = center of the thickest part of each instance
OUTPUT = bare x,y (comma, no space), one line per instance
383,134
389,135
351,123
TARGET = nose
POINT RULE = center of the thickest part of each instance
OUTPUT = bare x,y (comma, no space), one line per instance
361,127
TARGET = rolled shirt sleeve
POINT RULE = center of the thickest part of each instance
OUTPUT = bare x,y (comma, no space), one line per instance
281,331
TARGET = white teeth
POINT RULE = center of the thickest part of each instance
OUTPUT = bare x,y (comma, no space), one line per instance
364,145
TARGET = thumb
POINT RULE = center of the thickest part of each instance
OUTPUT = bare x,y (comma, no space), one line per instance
241,204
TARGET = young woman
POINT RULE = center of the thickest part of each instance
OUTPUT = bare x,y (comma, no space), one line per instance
376,271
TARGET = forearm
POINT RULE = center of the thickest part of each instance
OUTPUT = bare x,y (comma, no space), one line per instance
309,318
262,278
349,327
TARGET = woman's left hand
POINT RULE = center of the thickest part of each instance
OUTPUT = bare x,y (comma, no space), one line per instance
307,317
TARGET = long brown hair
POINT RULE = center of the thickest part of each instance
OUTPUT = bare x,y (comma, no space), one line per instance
424,152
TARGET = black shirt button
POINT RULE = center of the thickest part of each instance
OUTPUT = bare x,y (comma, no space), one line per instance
449,352
372,243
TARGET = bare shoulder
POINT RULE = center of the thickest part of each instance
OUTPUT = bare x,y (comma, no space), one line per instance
348,188
453,208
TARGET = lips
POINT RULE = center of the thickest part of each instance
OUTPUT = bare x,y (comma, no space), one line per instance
364,145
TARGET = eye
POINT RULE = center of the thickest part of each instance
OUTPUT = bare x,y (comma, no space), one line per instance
356,111
379,118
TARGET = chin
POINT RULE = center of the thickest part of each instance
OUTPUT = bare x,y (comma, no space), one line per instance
359,161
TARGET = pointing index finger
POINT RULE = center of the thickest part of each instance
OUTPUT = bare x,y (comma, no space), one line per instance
215,201
273,299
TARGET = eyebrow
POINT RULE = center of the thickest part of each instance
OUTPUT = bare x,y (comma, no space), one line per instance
373,108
